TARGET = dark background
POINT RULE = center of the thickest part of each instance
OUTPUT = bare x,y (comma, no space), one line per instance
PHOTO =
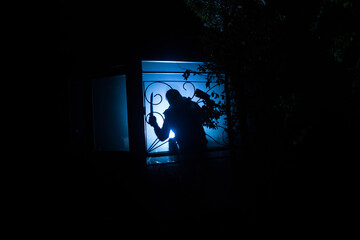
79,190
95,35
82,190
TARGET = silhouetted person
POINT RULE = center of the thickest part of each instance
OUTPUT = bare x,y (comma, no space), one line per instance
184,117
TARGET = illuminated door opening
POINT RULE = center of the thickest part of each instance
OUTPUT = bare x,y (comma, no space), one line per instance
160,76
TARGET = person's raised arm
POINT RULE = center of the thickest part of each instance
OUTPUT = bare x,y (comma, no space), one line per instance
161,133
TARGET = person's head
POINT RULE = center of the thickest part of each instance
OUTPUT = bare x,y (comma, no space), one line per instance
173,96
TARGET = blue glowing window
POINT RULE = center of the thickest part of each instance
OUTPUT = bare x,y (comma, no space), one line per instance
110,120
158,77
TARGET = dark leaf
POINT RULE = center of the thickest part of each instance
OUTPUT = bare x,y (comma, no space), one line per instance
186,74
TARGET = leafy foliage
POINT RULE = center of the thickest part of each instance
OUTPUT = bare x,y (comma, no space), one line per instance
275,48
212,111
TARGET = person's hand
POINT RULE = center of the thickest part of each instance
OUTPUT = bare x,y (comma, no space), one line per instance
152,121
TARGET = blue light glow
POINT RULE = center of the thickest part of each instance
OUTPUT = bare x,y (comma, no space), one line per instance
110,122
158,78
172,134
169,66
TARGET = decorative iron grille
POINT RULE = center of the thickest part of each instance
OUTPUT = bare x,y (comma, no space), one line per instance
160,76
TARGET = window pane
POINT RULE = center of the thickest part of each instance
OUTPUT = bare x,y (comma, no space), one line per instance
169,66
110,114
159,84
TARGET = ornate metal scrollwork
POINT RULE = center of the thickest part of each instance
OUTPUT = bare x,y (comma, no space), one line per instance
159,99
148,115
224,137
188,82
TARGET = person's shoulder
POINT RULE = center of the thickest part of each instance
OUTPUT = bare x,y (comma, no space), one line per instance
189,102
168,111
194,105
